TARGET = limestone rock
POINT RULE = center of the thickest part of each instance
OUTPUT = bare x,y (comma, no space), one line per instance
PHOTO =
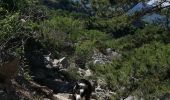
61,63
100,58
133,98
62,96
88,73
83,72
112,54
101,91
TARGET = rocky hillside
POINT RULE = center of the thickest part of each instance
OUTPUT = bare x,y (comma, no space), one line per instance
47,45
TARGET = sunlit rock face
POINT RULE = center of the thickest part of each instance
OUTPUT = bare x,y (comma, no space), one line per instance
152,18
156,2
148,5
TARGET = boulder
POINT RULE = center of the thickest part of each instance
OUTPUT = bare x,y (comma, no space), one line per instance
133,98
101,91
97,62
100,58
88,73
84,73
62,96
112,54
61,63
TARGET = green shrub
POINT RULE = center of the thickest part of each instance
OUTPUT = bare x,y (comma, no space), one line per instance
10,31
61,24
143,36
117,26
54,32
85,49
149,67
93,35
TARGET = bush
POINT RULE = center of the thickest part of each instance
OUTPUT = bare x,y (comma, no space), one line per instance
143,36
10,33
55,32
61,24
93,35
144,71
117,26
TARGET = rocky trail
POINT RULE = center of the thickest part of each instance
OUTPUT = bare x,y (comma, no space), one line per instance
50,80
